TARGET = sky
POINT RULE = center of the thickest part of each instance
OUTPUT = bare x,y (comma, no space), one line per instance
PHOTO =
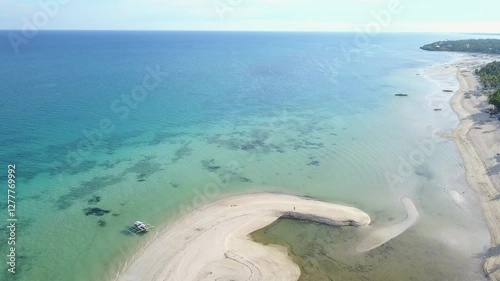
273,15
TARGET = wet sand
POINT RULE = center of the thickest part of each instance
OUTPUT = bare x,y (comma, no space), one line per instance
478,142
383,235
213,243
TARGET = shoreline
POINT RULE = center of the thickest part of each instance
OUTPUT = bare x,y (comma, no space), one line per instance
218,245
214,242
475,150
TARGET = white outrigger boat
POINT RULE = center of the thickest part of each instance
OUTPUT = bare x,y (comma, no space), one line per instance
140,227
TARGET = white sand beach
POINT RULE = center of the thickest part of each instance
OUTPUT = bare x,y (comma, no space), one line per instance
213,243
478,140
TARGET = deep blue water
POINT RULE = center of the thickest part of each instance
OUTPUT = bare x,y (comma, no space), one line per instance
67,108
61,83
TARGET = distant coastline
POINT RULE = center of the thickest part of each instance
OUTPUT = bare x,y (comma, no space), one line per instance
485,46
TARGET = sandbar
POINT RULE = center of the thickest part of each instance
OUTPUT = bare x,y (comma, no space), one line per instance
213,243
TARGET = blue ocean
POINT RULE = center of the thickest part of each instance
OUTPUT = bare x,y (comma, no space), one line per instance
108,127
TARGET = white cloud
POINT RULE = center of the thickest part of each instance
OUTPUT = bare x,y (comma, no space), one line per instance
323,15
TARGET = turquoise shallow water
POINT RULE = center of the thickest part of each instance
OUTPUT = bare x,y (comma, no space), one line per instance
309,114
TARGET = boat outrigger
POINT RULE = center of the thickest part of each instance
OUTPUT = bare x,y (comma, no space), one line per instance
140,227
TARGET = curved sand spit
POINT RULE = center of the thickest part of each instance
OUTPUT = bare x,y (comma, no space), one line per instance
383,235
213,243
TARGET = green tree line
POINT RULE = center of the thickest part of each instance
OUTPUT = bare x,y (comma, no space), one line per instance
494,99
490,75
490,78
489,46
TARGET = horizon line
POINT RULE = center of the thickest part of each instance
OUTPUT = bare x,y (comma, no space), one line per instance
259,30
